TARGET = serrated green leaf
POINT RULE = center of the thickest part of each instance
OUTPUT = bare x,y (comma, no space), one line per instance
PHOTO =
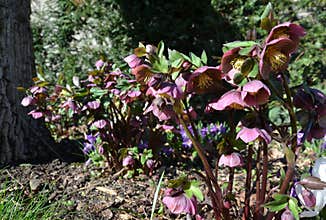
294,208
177,63
204,57
161,65
195,60
234,44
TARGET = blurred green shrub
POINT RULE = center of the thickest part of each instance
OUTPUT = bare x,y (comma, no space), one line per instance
69,36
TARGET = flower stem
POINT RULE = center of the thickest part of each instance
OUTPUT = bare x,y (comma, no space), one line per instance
216,194
246,214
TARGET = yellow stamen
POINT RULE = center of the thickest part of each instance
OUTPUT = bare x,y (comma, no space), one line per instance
276,59
281,32
205,81
237,62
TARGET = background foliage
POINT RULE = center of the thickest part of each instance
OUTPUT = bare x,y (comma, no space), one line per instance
69,36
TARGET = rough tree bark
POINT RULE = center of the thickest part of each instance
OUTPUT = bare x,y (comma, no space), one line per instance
21,137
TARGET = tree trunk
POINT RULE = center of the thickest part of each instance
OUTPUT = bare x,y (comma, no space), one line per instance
21,137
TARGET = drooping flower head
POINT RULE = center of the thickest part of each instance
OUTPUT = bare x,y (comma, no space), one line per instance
230,100
251,134
275,56
128,161
287,30
142,73
255,93
179,203
205,79
235,66
232,160
312,192
133,61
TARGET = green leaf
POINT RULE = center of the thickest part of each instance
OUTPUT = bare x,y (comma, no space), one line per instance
177,63
204,57
254,72
234,44
160,49
267,11
245,51
97,92
294,208
161,65
195,59
289,154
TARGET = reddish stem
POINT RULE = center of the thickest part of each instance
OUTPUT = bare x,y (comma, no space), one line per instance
258,191
246,214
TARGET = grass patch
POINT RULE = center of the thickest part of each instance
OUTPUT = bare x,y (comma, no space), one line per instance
14,204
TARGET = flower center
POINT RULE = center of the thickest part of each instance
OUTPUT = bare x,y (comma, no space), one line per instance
237,62
281,32
276,59
204,81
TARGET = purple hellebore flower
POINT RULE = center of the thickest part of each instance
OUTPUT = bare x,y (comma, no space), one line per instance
99,64
100,124
275,56
205,79
133,61
232,160
28,100
179,203
287,215
93,105
287,30
35,114
251,134
161,109
150,164
70,104
128,161
142,73
255,93
37,90
309,100
230,100
168,89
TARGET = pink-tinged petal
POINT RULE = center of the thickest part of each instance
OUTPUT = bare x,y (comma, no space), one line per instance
170,90
275,56
142,73
133,61
308,198
287,30
128,161
250,134
255,93
99,64
100,124
287,215
231,99
93,105
227,58
205,79
180,204
232,160
27,101
35,114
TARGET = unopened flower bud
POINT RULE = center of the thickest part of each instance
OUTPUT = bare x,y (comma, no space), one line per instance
287,215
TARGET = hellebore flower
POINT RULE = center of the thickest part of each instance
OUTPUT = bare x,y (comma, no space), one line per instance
142,73
99,64
35,114
133,61
235,66
27,101
179,203
99,124
312,194
168,89
230,100
255,93
93,105
251,134
205,80
287,30
275,56
232,160
287,215
128,161
309,100
161,109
